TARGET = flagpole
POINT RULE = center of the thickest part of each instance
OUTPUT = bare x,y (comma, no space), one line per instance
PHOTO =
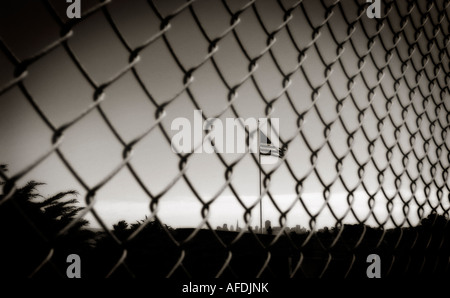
260,174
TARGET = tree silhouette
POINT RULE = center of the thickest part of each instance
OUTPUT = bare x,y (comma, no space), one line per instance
121,230
120,226
29,225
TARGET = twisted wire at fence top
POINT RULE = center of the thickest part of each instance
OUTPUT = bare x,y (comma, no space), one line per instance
436,80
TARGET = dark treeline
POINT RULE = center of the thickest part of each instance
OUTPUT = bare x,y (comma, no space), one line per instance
30,223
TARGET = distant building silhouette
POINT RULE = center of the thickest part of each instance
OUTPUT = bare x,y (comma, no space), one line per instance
268,228
225,227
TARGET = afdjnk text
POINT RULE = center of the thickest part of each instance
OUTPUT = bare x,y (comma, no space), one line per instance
238,287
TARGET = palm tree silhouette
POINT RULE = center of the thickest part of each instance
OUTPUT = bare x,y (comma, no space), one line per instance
29,227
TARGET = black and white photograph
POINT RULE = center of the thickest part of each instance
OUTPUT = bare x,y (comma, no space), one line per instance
224,145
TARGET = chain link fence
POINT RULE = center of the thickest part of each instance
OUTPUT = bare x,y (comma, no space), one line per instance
363,105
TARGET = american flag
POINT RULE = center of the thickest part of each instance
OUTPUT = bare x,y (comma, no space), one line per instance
266,147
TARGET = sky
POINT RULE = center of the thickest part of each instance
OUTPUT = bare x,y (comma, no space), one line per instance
63,93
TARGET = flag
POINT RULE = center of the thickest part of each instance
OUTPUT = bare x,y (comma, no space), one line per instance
266,147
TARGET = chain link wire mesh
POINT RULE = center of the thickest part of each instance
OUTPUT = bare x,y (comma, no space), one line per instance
368,100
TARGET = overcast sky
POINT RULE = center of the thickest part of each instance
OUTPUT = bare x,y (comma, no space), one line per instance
62,93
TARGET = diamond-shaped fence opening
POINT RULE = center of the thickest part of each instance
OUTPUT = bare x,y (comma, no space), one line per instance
94,104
